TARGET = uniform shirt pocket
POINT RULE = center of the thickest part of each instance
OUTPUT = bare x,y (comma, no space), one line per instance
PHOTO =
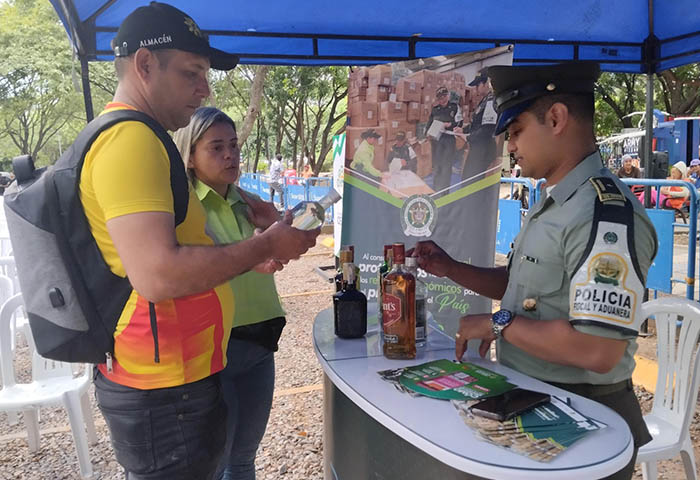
541,288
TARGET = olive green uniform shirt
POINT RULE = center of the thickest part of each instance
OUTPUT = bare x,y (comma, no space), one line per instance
543,260
254,294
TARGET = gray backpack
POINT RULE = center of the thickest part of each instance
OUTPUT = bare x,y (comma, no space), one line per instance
72,298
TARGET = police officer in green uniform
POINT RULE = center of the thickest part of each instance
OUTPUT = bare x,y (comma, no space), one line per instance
444,149
572,291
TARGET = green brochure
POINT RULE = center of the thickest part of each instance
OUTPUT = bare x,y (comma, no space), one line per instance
541,434
448,380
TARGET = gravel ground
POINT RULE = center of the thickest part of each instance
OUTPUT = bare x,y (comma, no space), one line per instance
292,447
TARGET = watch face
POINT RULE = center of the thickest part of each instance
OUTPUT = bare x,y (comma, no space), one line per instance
502,317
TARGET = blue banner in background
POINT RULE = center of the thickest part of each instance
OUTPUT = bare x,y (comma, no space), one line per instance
313,188
508,225
661,271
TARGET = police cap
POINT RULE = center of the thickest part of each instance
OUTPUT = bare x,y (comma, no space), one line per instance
516,88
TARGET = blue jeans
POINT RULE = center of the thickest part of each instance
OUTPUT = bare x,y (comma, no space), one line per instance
247,383
174,433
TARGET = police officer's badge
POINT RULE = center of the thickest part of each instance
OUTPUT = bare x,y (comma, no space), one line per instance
418,216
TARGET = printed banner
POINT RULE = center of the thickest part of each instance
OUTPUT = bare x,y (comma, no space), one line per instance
421,163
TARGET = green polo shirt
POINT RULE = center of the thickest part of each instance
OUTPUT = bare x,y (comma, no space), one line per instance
255,294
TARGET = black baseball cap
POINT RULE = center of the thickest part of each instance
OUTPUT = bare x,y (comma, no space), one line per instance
160,26
516,88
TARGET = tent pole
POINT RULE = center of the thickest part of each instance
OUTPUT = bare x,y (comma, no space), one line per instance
87,94
649,117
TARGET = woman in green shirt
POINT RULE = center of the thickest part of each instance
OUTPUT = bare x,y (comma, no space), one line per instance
210,151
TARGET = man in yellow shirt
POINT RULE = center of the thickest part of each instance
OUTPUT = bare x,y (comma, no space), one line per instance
160,395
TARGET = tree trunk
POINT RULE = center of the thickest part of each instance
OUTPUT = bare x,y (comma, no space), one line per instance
257,147
251,115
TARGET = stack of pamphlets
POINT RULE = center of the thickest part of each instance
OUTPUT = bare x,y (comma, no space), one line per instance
540,434
447,380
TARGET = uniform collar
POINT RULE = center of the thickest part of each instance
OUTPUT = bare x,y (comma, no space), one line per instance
589,167
203,191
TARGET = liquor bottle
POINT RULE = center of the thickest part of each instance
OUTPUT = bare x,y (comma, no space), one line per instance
345,256
310,214
349,307
399,309
421,294
357,269
383,270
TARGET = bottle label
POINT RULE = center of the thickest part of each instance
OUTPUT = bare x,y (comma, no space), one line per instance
391,338
391,309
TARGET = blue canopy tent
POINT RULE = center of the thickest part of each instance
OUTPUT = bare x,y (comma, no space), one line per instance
636,36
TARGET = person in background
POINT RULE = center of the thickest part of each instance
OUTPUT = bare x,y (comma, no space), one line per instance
628,169
364,155
444,149
290,176
560,253
275,180
403,153
482,144
211,154
695,172
307,172
161,394
674,197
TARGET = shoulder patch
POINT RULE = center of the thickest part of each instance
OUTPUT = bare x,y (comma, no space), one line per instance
606,189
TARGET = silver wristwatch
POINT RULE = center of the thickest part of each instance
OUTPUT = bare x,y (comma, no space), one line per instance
500,320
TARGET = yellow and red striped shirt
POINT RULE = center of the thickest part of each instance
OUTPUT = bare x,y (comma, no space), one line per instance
127,170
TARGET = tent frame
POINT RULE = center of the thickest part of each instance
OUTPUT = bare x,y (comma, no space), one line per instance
650,49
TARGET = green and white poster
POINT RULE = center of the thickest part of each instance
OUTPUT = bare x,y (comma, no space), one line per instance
419,166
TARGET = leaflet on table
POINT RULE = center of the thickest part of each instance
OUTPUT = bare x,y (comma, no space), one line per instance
540,434
447,380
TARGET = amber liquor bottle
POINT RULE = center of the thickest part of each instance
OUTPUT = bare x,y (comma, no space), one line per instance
349,307
383,270
399,309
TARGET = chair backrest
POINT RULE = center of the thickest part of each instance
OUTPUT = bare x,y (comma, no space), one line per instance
677,356
6,361
42,368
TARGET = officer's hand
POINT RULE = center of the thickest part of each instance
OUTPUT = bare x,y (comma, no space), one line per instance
458,129
432,258
474,327
448,124
289,243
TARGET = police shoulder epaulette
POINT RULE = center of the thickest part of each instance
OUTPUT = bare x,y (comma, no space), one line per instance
606,189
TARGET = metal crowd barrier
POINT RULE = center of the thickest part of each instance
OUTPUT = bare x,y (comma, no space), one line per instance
661,223
294,189
660,276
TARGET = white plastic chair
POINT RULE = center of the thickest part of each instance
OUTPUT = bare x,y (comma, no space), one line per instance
52,383
676,387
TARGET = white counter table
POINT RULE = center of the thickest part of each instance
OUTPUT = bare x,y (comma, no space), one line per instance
374,432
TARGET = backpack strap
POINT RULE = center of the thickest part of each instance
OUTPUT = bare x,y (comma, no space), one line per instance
178,177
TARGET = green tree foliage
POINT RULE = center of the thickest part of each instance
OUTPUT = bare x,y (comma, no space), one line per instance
676,91
291,110
37,95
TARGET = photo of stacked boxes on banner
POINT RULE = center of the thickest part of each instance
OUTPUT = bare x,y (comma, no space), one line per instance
382,104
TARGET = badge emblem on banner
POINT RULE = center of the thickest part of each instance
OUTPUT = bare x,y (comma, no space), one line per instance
418,216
